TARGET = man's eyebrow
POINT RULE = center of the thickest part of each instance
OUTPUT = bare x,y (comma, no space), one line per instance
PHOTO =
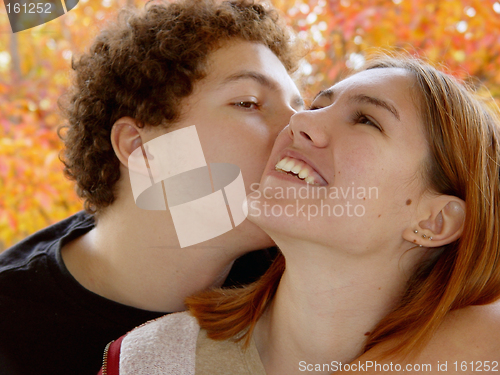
248,74
263,80
361,98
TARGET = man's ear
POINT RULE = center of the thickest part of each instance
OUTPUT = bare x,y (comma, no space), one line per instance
125,138
441,222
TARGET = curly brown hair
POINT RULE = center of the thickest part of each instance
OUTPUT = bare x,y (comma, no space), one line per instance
142,67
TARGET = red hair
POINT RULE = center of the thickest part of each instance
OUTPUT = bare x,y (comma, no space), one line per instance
228,313
464,162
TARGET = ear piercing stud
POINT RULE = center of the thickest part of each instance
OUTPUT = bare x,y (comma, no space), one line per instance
423,235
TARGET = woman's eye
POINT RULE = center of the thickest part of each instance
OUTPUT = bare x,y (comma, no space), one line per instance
314,107
365,120
362,119
247,105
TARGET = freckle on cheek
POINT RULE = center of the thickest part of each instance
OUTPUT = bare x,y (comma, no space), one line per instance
408,202
379,215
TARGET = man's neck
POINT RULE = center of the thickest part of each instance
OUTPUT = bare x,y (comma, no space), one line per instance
124,260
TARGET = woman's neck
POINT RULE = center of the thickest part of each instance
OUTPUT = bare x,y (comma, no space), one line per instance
326,305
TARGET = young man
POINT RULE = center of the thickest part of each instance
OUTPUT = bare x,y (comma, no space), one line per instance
68,290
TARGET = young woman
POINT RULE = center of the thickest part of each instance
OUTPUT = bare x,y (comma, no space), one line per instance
385,202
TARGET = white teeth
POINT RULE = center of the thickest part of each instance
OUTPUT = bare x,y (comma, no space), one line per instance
281,163
303,173
296,167
310,179
288,166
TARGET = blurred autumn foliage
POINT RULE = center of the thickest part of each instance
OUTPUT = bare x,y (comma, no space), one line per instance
463,35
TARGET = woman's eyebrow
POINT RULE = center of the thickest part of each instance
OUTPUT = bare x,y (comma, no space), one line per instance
361,98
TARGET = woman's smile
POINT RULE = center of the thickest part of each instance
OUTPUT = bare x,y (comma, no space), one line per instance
294,164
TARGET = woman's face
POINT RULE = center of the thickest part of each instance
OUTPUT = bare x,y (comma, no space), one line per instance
347,172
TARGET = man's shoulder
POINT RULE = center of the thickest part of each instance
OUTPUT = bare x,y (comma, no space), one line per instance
31,269
43,242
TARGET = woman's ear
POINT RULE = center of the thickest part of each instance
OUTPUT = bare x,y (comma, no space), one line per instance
125,138
441,222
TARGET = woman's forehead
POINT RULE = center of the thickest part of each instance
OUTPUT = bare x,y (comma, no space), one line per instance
391,83
375,78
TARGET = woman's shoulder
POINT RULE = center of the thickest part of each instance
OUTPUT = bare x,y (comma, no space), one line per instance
163,346
175,321
466,335
227,357
473,330
476,316
181,323
466,342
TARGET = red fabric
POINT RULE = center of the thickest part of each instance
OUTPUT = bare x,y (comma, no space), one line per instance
113,362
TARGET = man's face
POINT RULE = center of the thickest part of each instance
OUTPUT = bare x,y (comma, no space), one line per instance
239,108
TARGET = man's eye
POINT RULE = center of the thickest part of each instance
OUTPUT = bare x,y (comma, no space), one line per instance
247,105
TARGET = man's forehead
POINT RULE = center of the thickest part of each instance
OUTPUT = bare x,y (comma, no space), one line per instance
255,76
248,62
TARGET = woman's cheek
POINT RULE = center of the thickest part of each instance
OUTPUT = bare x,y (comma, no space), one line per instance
359,165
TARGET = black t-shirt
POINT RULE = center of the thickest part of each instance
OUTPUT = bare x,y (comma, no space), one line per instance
49,323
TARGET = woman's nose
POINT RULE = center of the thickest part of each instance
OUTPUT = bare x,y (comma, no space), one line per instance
307,129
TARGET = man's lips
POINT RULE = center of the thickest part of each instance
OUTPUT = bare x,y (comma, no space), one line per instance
295,164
